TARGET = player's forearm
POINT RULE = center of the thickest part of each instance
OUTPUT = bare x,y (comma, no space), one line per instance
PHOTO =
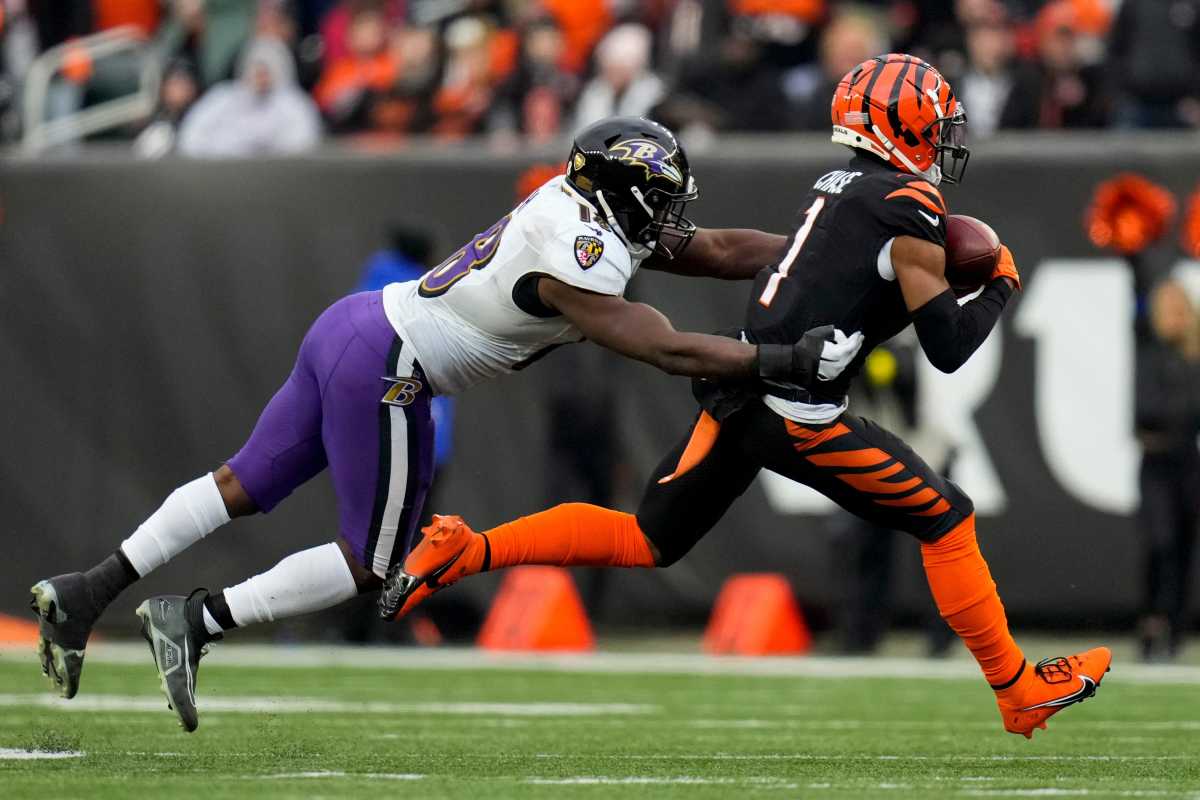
726,253
699,355
949,333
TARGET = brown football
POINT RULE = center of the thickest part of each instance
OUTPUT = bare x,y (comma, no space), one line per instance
972,250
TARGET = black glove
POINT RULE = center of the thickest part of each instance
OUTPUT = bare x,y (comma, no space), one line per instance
796,363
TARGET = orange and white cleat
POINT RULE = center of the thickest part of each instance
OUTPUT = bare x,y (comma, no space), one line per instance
435,563
1054,684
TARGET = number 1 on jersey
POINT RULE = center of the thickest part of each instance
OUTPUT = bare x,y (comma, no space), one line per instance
810,216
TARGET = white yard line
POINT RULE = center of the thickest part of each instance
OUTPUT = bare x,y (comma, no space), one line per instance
17,754
234,655
305,705
387,776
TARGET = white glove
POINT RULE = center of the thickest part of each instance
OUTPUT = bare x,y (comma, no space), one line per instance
836,355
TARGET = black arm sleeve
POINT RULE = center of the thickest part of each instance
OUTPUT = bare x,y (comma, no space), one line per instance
950,333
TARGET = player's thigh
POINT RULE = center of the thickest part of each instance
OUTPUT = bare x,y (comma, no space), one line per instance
285,448
378,434
693,486
865,469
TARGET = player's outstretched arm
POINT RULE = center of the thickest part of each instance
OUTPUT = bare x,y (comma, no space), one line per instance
948,333
732,254
641,332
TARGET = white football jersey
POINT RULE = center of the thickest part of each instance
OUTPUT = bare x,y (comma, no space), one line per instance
477,314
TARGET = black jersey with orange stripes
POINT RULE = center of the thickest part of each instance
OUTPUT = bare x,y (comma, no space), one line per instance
837,268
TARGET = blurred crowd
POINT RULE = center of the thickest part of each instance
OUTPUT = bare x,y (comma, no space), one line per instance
245,76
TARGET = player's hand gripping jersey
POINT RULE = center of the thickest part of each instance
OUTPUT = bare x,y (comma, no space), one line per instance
478,313
837,270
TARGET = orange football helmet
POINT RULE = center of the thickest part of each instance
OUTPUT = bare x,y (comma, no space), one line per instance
902,110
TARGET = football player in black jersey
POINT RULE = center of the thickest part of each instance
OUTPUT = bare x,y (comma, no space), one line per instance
867,256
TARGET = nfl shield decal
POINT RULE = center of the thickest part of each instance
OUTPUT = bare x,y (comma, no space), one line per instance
588,250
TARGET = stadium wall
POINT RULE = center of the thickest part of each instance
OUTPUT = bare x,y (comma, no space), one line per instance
150,309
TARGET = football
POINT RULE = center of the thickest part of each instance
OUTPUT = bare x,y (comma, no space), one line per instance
972,250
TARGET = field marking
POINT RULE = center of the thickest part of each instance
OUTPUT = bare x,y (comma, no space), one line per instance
390,776
855,724
865,757
17,754
652,780
306,705
254,655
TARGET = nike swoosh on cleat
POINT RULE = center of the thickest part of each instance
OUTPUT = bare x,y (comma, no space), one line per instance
1087,688
931,220
431,580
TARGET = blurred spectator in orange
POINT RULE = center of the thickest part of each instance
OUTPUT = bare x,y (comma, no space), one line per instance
850,38
263,111
583,23
624,84
141,14
1155,58
987,82
1061,90
734,92
407,106
209,33
465,97
178,92
335,26
535,99
370,68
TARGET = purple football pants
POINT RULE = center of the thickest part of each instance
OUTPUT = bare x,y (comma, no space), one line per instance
357,402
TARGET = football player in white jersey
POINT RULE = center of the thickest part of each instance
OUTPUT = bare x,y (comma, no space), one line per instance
552,271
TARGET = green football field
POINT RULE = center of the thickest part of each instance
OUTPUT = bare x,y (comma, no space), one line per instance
343,723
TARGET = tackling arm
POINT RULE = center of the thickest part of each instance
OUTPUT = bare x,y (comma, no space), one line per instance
948,333
732,254
641,332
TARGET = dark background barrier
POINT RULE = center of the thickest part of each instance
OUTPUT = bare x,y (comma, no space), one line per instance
148,310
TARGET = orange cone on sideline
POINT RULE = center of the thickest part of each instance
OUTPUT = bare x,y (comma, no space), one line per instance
537,608
756,614
17,631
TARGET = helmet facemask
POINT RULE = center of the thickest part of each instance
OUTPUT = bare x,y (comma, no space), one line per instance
653,219
950,146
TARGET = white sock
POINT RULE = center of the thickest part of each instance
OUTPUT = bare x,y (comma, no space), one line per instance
210,624
189,513
308,581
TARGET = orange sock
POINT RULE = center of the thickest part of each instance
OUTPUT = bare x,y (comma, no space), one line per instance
568,535
966,598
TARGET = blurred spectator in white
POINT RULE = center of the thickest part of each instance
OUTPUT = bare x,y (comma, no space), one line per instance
534,100
1062,90
468,85
1168,423
624,84
209,33
1155,57
850,38
986,84
178,92
263,111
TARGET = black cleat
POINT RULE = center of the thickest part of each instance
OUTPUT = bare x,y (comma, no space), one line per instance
66,612
173,626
